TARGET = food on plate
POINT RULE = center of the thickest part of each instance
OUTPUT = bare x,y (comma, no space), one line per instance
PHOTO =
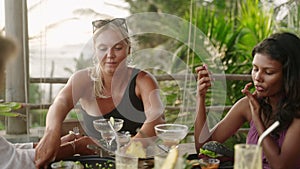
171,159
209,163
214,149
66,165
78,165
136,149
109,164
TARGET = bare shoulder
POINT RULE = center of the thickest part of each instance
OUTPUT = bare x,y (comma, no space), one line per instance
294,129
144,74
244,101
84,73
242,106
78,80
145,78
295,125
292,136
145,83
80,76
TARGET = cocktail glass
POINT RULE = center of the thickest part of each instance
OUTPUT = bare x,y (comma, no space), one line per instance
247,156
123,138
108,130
125,161
171,134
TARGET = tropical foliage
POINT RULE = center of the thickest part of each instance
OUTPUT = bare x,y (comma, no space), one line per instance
9,109
234,27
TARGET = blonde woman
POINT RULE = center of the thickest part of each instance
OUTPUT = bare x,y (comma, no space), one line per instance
109,89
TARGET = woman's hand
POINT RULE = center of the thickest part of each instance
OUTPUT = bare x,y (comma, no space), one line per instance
46,149
204,81
81,145
254,105
69,137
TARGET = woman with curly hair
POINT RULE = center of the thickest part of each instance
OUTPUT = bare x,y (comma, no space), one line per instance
276,78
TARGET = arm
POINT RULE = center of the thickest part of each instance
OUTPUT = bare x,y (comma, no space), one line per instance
201,129
48,146
235,117
288,154
147,90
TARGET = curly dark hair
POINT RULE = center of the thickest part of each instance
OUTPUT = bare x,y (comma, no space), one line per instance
285,48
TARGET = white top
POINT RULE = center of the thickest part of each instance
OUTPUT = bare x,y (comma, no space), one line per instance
16,155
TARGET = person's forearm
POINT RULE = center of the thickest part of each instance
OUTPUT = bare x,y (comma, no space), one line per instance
270,148
56,115
201,129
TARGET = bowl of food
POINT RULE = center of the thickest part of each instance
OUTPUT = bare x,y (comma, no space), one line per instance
214,149
63,165
85,162
209,163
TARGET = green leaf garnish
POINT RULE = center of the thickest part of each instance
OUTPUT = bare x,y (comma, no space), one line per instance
208,153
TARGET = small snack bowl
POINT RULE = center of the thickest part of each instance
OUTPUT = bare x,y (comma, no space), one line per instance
209,163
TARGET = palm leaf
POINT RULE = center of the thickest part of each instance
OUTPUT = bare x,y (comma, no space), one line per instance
7,108
10,114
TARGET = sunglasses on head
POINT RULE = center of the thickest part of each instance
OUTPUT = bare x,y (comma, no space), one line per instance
117,21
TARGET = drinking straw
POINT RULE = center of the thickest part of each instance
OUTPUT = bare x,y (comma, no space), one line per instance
261,137
116,135
268,131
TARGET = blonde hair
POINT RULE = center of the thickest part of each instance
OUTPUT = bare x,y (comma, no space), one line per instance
96,70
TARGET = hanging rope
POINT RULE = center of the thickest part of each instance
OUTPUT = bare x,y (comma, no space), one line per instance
42,53
188,79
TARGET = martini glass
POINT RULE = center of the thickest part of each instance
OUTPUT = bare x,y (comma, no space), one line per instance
171,134
107,129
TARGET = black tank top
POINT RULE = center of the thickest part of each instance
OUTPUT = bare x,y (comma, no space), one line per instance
130,109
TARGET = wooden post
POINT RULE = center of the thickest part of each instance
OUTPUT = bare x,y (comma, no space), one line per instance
17,71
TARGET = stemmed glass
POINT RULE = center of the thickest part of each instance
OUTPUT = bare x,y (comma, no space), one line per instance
108,129
171,134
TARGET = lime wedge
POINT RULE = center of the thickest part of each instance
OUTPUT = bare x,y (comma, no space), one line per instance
171,159
112,121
